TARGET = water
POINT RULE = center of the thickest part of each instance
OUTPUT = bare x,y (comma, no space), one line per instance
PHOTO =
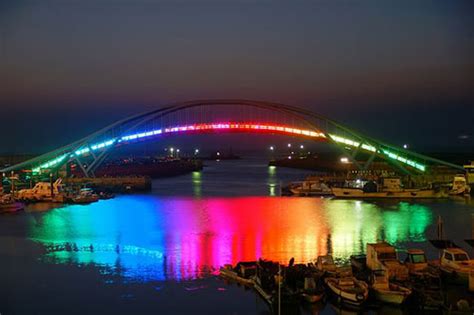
160,252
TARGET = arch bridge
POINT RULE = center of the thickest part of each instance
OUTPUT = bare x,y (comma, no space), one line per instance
225,115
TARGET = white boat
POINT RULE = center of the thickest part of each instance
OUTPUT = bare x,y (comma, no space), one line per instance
387,292
43,191
390,188
460,186
348,290
456,265
310,188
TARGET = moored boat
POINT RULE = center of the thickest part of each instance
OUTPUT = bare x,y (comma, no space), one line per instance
387,292
348,290
390,188
85,196
310,187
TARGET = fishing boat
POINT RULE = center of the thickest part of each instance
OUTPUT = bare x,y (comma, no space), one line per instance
310,187
85,196
382,256
385,291
358,262
348,290
305,280
418,266
312,293
389,188
271,285
240,273
43,191
469,168
459,186
326,264
455,265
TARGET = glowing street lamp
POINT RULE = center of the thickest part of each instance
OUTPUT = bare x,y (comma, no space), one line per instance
196,151
272,148
405,146
289,145
301,146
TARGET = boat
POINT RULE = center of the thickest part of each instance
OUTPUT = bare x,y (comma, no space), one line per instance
459,186
469,168
348,290
385,291
270,282
326,264
43,191
456,266
418,266
382,256
240,273
105,195
305,280
9,205
390,187
85,196
310,187
358,262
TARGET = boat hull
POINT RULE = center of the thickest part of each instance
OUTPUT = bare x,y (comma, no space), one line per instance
406,194
355,299
394,295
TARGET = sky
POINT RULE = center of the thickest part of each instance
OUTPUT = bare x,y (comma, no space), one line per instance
400,71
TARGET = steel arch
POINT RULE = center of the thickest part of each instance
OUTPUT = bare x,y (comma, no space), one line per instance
334,132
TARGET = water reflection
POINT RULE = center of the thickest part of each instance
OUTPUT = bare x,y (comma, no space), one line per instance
153,238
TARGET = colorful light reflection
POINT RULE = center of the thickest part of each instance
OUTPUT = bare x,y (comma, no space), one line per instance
150,238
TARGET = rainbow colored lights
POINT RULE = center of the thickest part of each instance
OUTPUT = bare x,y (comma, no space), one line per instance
243,127
188,128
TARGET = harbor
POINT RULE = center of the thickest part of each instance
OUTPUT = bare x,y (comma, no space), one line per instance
157,228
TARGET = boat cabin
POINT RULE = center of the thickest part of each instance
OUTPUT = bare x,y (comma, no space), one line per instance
382,256
454,256
416,260
392,184
470,172
326,263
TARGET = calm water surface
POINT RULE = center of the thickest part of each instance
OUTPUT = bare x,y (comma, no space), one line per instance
160,252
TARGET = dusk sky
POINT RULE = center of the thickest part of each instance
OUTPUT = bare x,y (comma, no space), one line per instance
398,71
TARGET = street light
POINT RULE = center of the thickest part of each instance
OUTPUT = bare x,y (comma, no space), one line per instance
272,148
301,146
405,146
289,145
196,151
344,160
